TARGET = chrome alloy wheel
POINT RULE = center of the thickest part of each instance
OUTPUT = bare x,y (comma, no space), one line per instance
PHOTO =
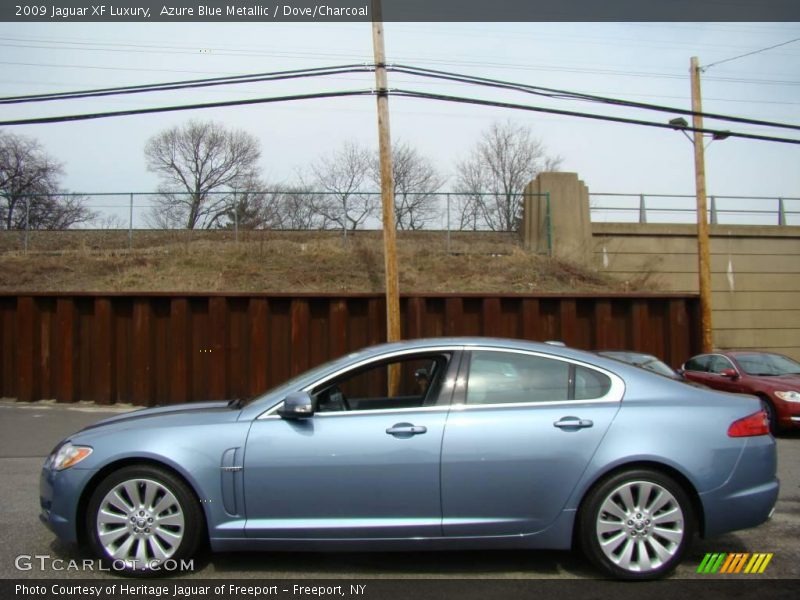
140,522
640,526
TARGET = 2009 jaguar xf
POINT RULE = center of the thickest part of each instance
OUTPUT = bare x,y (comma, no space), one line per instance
462,443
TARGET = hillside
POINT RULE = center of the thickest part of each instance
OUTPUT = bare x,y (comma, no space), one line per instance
271,261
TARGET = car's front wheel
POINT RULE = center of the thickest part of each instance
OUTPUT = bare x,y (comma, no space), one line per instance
772,420
143,520
636,524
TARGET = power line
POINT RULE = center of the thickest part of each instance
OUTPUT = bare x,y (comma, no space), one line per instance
719,62
476,101
195,83
557,93
351,68
143,111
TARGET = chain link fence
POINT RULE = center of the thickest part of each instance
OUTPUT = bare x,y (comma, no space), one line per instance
138,220
130,220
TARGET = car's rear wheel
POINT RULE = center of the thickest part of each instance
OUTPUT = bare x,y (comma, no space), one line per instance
143,520
636,524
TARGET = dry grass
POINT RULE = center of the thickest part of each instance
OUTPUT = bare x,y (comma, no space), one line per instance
287,262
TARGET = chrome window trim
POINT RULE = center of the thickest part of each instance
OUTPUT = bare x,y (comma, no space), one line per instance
712,354
364,362
377,411
614,395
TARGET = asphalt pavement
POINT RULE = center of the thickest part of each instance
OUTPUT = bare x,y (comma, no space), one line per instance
28,432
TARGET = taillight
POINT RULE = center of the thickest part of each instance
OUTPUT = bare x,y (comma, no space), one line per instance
755,424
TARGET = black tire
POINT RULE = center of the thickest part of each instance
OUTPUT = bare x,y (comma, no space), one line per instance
636,524
771,417
143,521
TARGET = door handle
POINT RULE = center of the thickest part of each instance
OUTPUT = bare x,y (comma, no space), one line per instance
406,429
573,423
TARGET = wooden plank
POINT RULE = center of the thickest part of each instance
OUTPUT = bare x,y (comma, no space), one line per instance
413,320
453,315
568,323
678,348
259,358
199,348
162,360
318,331
433,317
142,381
102,351
637,326
280,338
490,318
300,315
45,353
603,331
217,339
531,319
338,342
178,350
376,319
8,357
237,356
65,348
26,332
123,348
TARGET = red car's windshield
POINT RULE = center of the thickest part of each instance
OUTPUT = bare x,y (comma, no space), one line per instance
767,364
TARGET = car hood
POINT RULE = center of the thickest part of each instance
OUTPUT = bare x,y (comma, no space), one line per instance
193,408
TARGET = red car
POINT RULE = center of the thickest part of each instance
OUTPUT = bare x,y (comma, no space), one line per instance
772,377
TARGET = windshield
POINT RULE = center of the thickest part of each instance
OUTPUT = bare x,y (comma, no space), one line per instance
296,381
767,364
659,367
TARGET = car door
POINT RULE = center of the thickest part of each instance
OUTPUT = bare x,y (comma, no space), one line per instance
521,432
717,364
366,465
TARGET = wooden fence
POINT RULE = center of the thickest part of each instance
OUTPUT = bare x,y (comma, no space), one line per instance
158,348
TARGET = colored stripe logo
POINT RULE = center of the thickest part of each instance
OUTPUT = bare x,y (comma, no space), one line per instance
734,563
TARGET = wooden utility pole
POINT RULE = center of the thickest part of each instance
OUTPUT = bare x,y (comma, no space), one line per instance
387,179
703,252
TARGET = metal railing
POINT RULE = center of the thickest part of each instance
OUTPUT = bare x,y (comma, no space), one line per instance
291,210
681,208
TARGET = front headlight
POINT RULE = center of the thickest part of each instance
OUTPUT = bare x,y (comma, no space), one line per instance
790,396
68,456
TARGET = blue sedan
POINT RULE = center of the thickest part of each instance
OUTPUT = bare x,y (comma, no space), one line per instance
463,443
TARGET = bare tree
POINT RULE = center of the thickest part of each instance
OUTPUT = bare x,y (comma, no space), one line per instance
199,164
416,182
252,207
492,178
30,188
299,208
342,176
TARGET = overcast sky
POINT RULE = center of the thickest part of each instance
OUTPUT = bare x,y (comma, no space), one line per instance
645,62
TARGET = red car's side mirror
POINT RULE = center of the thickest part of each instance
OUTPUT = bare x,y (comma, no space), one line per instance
730,373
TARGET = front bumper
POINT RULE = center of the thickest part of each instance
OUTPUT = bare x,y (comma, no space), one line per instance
59,496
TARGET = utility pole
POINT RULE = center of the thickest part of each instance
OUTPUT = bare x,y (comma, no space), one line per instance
387,179
703,252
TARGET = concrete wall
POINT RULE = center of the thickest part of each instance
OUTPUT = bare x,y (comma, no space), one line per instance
558,202
755,270
755,276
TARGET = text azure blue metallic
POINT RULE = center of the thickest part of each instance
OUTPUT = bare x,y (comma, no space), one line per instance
428,444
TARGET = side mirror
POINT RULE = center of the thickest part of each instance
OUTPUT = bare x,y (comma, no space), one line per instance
729,373
297,405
